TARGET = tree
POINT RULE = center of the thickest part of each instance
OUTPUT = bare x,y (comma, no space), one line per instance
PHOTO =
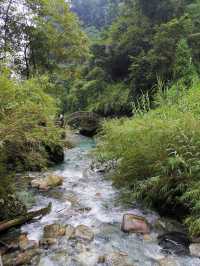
183,67
97,13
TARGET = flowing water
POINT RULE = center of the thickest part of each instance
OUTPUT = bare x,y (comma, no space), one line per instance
88,198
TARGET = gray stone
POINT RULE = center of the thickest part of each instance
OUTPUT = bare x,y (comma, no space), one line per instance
195,249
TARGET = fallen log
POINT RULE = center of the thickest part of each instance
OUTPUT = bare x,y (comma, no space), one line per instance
5,225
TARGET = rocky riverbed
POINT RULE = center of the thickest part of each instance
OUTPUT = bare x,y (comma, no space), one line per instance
88,226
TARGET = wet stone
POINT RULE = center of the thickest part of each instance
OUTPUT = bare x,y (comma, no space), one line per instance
84,232
25,243
54,231
174,243
45,242
69,231
195,249
134,224
118,259
47,182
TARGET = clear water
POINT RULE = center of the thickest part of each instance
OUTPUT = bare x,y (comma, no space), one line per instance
83,188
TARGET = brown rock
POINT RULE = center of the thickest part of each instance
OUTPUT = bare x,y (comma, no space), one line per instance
134,224
25,243
118,259
22,258
84,232
48,242
47,182
54,231
102,259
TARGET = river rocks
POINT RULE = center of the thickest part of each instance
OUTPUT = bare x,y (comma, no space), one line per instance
195,249
118,259
22,258
174,243
25,243
51,233
84,232
47,182
54,231
134,224
69,231
45,242
104,167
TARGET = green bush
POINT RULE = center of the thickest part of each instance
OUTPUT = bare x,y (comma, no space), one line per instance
158,154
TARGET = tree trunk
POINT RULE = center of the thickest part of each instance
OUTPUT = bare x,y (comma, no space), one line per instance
5,225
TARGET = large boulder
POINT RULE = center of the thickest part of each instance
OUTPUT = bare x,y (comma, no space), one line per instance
84,232
47,182
134,224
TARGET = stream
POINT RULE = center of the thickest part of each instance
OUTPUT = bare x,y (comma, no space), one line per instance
87,198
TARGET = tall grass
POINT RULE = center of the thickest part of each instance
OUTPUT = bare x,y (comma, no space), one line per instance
159,153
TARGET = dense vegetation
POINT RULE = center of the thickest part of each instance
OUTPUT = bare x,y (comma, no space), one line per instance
138,47
41,44
124,58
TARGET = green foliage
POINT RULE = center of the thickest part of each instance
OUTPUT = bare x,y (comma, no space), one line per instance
57,42
158,153
107,99
183,67
26,122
